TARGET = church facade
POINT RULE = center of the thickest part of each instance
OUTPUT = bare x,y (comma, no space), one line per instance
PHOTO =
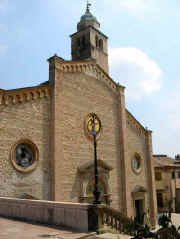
47,152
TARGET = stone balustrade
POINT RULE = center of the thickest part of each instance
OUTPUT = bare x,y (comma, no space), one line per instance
73,215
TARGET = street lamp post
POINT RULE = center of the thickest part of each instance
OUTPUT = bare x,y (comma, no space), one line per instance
96,191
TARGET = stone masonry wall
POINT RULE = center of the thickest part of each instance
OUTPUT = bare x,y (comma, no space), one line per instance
77,95
136,144
27,120
72,215
101,56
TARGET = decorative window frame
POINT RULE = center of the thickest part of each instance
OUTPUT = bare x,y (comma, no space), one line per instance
158,176
137,156
139,193
86,176
35,154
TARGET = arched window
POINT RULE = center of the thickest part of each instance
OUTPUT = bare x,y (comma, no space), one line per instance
97,41
78,42
83,42
101,44
136,163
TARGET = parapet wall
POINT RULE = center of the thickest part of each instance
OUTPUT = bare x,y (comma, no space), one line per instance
73,215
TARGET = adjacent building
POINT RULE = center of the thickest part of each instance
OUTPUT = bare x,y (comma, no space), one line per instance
167,178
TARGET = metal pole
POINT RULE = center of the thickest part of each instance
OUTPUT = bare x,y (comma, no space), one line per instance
175,190
96,189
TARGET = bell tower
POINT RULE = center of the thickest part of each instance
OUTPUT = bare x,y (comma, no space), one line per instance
89,42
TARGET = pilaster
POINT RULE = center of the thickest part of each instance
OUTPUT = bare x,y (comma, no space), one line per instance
151,180
123,151
56,152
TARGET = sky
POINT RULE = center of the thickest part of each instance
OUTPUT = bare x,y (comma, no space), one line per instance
144,46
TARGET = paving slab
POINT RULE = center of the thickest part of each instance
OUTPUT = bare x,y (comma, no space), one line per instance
13,229
113,236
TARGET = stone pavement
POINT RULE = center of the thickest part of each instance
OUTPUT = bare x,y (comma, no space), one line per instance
12,229
113,236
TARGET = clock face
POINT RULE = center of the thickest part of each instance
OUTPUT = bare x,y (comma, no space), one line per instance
23,155
93,125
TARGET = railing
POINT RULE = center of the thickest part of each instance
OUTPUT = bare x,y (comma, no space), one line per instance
167,233
109,217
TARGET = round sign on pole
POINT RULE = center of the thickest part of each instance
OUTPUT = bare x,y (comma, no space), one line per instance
92,125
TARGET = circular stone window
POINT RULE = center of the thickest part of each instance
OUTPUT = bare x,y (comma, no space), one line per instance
136,163
24,156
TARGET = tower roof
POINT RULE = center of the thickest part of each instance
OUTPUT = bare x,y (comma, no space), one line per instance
88,19
88,15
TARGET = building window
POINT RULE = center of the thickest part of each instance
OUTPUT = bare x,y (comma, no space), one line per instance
97,41
160,200
136,163
178,175
79,42
158,176
24,156
83,42
101,44
173,175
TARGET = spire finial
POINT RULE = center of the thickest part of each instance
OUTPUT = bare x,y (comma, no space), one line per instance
88,6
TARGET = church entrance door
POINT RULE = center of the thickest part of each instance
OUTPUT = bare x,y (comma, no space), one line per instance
139,210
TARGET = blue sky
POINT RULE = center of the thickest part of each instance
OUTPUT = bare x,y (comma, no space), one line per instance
144,46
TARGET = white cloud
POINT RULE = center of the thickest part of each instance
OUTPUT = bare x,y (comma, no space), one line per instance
143,9
132,68
174,121
171,105
134,5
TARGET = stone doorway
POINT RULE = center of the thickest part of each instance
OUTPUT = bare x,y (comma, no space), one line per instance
139,196
139,207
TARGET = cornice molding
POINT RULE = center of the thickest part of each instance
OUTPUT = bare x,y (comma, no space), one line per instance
16,96
130,119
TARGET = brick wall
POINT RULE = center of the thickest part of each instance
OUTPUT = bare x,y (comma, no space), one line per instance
27,120
75,216
135,144
77,95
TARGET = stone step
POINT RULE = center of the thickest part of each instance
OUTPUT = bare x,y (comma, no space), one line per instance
113,236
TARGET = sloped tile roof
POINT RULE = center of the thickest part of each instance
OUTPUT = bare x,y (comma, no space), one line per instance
163,161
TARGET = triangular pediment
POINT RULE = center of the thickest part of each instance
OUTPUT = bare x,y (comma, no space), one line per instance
88,67
139,189
26,196
90,164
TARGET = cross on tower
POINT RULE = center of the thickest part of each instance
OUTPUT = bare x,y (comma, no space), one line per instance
88,5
